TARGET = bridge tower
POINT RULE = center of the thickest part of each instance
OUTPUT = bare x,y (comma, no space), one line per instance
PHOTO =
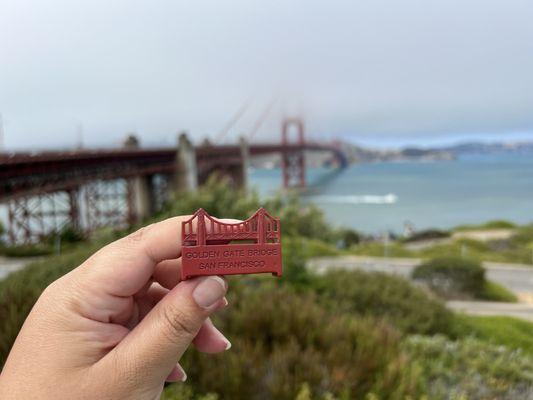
293,156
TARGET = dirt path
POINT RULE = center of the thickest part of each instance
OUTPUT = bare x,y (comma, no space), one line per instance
8,265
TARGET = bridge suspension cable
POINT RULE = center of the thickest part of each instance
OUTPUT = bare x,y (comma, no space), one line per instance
233,120
262,117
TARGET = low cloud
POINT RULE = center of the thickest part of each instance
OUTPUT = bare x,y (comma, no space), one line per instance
382,69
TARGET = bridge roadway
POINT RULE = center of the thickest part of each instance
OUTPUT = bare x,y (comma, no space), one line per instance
59,170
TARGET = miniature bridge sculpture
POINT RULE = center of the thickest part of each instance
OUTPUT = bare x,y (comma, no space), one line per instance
211,247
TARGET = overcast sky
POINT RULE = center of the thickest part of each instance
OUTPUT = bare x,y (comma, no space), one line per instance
374,71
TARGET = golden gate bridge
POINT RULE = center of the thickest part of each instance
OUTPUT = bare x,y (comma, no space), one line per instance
90,189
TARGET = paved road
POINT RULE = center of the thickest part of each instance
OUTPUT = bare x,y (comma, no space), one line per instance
8,265
515,277
517,310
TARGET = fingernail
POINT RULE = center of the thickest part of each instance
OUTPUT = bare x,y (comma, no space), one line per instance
225,302
209,291
228,344
177,374
183,373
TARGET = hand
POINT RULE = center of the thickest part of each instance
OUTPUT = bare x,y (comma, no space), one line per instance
116,326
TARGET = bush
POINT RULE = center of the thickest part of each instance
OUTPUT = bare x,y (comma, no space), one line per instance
26,250
301,220
471,369
294,257
394,299
452,276
292,341
218,198
513,333
71,234
499,224
378,249
427,235
349,238
495,292
68,235
185,392
495,224
523,236
455,277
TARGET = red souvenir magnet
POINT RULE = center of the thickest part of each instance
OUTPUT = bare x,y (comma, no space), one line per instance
215,248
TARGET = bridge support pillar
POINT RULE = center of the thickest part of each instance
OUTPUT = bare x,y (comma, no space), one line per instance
141,199
186,177
74,208
245,157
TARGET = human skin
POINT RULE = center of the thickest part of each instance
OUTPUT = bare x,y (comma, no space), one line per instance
116,326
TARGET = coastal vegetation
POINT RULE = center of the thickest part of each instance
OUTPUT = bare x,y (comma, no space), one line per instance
50,244
341,335
454,277
511,244
494,224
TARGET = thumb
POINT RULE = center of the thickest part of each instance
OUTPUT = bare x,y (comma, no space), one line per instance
151,350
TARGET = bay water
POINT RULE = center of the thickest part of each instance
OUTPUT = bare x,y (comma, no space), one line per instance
379,197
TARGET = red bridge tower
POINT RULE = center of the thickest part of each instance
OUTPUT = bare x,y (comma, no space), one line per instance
293,161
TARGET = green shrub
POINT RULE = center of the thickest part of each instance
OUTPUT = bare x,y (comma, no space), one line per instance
464,248
71,234
185,392
513,333
455,277
296,251
427,235
405,306
470,369
26,250
283,339
452,276
378,249
219,199
495,292
349,237
302,220
294,256
495,224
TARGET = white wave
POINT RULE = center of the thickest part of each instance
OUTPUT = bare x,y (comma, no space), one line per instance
357,199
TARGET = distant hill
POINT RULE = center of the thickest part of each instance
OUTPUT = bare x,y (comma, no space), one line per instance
358,154
362,154
490,148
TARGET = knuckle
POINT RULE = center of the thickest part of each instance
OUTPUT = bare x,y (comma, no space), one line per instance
54,290
179,323
138,234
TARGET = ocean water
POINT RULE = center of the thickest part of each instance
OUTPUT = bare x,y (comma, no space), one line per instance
379,197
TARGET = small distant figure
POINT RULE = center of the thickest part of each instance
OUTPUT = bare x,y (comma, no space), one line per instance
408,229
